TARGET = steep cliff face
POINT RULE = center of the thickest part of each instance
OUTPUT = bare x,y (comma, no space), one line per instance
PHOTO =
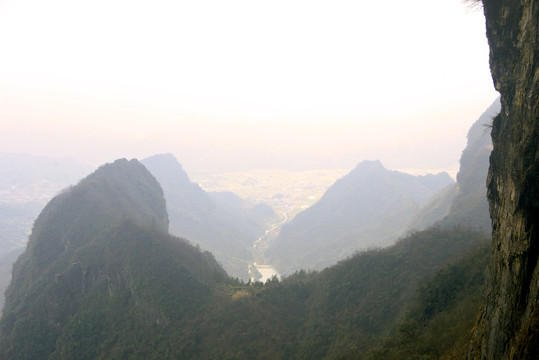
509,323
470,206
465,203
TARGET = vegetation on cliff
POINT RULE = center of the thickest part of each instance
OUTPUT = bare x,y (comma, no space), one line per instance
508,323
101,278
100,272
131,291
438,323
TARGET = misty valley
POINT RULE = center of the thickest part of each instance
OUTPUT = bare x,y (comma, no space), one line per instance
137,261
254,191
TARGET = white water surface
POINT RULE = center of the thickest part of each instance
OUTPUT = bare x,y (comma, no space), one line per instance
267,273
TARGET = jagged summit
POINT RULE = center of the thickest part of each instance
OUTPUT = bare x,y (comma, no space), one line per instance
465,203
166,168
367,165
120,190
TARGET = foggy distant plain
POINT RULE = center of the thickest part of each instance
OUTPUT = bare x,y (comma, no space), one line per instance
239,85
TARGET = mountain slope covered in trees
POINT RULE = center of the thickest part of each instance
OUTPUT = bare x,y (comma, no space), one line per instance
101,278
27,183
341,311
440,319
101,270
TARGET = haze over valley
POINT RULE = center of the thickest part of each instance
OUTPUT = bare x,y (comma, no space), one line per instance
269,180
273,115
238,216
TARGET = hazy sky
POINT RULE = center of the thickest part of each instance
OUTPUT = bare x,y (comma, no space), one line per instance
243,84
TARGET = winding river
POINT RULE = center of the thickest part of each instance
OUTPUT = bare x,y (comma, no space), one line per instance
259,246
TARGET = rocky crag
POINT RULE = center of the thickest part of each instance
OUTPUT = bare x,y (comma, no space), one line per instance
464,203
508,327
101,270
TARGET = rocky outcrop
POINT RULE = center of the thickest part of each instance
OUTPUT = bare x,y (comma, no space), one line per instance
101,278
470,206
509,324
464,203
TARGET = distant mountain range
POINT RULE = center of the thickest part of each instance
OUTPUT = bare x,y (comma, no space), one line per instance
370,207
225,225
102,279
219,222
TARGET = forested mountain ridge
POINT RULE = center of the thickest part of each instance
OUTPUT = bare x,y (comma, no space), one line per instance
221,223
369,207
102,279
439,320
338,313
100,267
134,314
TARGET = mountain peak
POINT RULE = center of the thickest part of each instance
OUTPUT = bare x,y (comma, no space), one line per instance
369,207
115,191
369,165
166,167
102,248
